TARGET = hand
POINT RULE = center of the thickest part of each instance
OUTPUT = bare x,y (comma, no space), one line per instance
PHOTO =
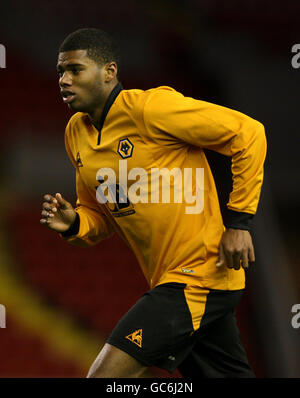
236,249
57,213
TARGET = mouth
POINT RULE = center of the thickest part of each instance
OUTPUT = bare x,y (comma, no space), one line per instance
68,96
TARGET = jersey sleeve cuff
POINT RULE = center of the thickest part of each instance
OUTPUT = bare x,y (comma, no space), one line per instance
238,220
74,229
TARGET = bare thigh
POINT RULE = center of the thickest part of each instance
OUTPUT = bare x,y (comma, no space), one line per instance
113,362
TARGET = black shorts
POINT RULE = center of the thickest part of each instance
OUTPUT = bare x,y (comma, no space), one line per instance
189,328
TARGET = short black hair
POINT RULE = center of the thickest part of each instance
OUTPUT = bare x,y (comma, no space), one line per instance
101,46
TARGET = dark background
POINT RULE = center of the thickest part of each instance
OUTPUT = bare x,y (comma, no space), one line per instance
61,302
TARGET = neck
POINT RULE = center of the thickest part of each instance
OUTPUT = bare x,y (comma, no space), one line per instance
95,114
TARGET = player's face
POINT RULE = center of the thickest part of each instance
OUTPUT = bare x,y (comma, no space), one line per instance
81,81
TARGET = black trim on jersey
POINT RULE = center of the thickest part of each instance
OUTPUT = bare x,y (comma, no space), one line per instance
110,100
238,220
74,228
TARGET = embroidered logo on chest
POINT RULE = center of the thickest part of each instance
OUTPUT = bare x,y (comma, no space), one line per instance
78,160
125,148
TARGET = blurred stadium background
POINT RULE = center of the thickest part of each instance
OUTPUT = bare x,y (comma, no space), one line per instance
61,302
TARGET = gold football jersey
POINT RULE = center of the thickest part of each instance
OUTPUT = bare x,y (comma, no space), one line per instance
144,175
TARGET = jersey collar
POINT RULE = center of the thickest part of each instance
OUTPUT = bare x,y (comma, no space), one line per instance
110,100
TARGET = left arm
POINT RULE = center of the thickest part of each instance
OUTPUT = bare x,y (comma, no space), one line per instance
230,133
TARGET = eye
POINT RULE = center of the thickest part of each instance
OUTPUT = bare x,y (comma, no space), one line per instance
75,71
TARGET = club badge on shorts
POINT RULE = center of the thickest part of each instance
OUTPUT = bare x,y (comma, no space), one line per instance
136,337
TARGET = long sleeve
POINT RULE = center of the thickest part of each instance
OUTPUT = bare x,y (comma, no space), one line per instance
92,224
172,119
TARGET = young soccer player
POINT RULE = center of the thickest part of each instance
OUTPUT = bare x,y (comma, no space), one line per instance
119,141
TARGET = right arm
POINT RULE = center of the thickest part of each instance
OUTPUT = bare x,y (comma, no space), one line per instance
83,226
87,224
92,223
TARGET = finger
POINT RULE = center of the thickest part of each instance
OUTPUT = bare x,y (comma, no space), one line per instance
221,259
229,259
47,206
48,198
251,254
245,261
47,214
236,260
45,221
61,201
51,208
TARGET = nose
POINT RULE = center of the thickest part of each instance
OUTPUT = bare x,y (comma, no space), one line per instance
65,79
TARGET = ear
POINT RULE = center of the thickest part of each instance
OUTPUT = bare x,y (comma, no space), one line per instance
111,71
